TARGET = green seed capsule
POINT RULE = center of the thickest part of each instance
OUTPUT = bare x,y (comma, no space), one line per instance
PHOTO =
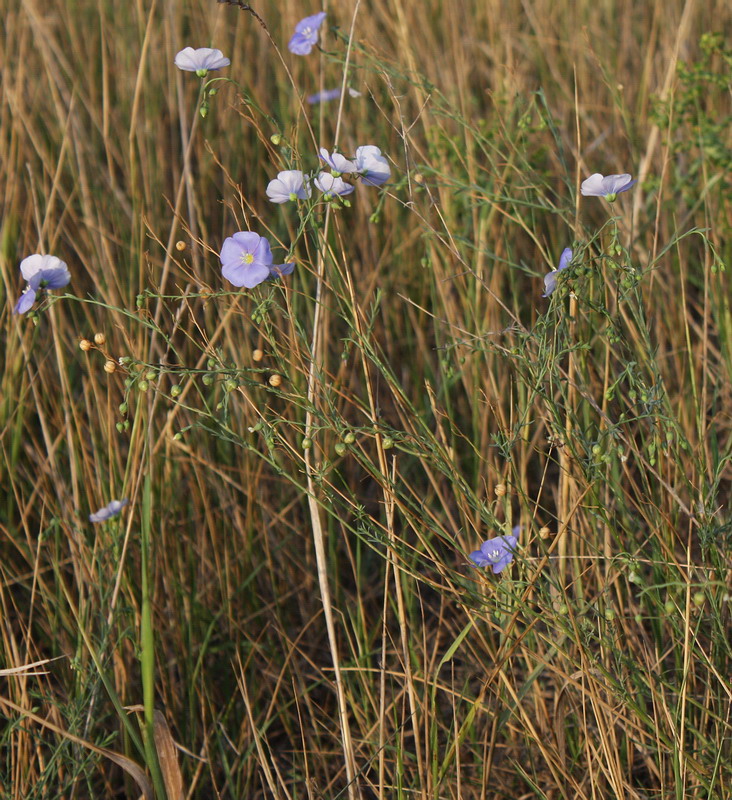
123,408
143,386
340,448
349,438
230,385
120,427
388,443
151,375
175,390
307,444
207,380
669,606
699,598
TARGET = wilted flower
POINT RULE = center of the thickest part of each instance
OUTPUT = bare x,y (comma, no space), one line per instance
331,185
306,34
337,162
288,185
330,94
497,553
550,280
41,272
201,60
608,186
246,259
110,510
372,166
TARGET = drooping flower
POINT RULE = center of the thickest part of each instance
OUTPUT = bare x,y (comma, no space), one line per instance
608,186
338,163
41,272
246,260
110,510
372,166
330,94
498,552
331,185
288,186
306,34
200,60
550,279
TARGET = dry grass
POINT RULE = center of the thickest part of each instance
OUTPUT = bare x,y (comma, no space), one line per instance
318,630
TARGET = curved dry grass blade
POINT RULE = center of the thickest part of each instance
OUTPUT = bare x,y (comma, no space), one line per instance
167,756
23,668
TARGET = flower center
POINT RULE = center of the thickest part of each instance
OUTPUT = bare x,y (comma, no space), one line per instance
495,554
293,196
308,31
247,258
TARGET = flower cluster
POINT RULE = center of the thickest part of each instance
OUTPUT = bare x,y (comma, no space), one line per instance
368,164
597,185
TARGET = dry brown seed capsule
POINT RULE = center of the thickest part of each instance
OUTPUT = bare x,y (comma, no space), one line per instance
545,533
418,177
180,246
275,380
500,490
85,345
100,339
110,366
257,355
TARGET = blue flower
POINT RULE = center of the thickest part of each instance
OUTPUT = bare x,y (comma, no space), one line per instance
498,552
41,272
372,166
331,185
550,280
288,185
330,94
338,163
306,34
201,60
246,260
110,510
608,186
